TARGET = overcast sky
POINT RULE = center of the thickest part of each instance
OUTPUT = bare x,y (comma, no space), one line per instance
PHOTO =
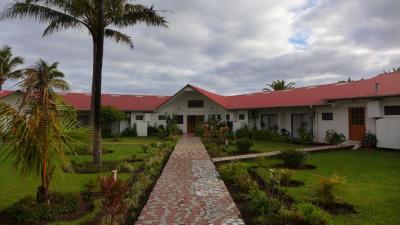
230,46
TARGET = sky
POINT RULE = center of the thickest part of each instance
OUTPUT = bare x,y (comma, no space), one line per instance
228,47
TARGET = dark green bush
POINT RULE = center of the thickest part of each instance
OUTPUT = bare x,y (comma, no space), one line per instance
262,205
130,132
28,211
333,138
243,145
369,140
261,135
293,158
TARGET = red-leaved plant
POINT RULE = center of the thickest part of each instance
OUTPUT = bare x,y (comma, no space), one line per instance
113,192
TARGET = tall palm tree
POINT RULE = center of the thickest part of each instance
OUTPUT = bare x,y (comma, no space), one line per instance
97,17
8,65
279,85
37,134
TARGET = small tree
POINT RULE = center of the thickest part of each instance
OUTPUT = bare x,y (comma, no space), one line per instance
110,115
37,135
279,85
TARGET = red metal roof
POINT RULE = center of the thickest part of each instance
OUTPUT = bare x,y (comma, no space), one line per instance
388,85
5,93
81,101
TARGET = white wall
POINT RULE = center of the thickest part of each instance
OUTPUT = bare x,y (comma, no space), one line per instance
178,106
388,126
12,99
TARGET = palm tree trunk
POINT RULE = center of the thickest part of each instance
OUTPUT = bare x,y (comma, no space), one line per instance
98,47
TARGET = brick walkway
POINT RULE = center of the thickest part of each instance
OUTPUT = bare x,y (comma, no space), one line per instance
346,144
189,191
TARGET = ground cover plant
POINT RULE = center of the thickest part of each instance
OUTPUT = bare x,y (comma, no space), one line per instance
366,196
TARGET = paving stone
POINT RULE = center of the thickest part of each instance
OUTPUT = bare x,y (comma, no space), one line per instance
189,191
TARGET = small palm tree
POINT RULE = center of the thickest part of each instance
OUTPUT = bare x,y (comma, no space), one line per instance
394,70
97,17
8,65
279,85
37,135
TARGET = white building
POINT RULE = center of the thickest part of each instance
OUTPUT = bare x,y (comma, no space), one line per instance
350,108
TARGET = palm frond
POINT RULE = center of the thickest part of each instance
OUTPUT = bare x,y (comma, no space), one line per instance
119,37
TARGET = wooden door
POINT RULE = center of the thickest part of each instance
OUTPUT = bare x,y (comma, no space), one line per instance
356,123
192,122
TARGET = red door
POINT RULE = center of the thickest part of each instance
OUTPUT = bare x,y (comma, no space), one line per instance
356,123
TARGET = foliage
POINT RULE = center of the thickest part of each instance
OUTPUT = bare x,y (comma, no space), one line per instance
243,145
279,85
305,136
130,132
282,176
171,127
293,158
125,167
261,135
237,174
156,131
113,192
262,205
8,65
28,211
37,136
110,115
313,215
325,191
369,140
333,138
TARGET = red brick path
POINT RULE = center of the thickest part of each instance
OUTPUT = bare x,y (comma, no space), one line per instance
189,191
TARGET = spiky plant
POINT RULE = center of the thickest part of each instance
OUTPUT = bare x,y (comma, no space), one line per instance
279,85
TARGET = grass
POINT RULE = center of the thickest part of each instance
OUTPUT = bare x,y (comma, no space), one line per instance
18,187
372,183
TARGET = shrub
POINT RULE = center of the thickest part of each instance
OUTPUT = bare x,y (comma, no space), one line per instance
243,145
313,215
125,167
130,132
262,205
145,148
305,137
263,174
27,210
333,138
231,170
282,176
113,193
325,190
293,158
369,140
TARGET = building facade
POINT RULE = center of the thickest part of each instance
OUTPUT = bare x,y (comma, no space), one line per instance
350,108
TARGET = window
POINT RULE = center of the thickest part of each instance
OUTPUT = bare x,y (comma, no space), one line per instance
178,119
327,116
241,117
139,117
227,117
214,116
161,117
392,110
195,104
269,121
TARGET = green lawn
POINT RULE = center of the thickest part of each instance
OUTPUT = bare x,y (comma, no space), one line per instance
15,187
372,183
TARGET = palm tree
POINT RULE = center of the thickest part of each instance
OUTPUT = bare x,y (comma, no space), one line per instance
37,134
279,85
97,17
394,70
8,65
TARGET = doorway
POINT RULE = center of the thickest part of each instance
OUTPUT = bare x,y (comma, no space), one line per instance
356,123
193,121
